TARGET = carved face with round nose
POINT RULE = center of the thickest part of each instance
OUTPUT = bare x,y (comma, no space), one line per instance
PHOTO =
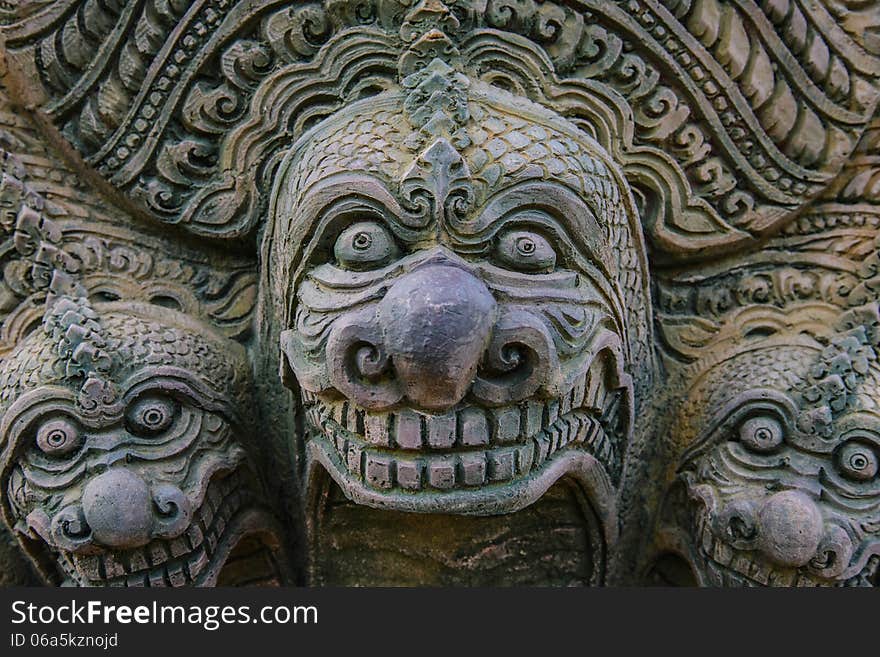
457,303
783,472
137,479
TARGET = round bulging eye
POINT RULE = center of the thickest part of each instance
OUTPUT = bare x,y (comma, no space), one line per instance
365,245
857,461
59,438
151,415
761,434
525,251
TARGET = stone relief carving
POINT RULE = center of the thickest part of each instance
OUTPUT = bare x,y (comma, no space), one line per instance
123,458
584,292
781,460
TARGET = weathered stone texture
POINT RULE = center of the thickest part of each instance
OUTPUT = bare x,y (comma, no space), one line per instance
462,292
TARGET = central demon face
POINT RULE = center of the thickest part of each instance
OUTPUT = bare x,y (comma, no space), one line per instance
456,306
139,479
784,473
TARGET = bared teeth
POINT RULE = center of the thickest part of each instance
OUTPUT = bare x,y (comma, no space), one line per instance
409,473
206,513
440,430
501,464
534,418
214,498
89,566
473,469
525,455
358,427
339,439
174,562
112,567
592,385
542,449
409,430
195,536
723,553
136,580
176,575
731,567
565,404
158,553
740,563
441,472
473,428
708,541
157,577
196,563
376,428
340,414
411,450
781,578
353,455
567,430
137,561
178,546
552,411
379,471
506,425
554,433
760,572
415,470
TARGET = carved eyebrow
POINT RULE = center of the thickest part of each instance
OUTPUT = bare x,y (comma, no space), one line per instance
180,444
759,399
331,199
177,382
555,201
862,496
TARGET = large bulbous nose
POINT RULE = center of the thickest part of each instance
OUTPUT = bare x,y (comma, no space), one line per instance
423,342
122,512
790,528
117,508
436,323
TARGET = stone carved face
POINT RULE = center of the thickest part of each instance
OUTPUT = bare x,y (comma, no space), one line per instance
456,306
780,493
140,480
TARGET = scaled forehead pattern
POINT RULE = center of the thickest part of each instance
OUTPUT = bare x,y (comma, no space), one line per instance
136,341
505,145
774,365
867,397
508,139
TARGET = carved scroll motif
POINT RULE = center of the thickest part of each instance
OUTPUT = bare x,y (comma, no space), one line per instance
288,272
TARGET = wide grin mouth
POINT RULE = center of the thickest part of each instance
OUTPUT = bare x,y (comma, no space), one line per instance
230,512
726,566
468,460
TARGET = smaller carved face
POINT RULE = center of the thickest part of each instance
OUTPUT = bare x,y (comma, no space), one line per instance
455,313
150,486
781,496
